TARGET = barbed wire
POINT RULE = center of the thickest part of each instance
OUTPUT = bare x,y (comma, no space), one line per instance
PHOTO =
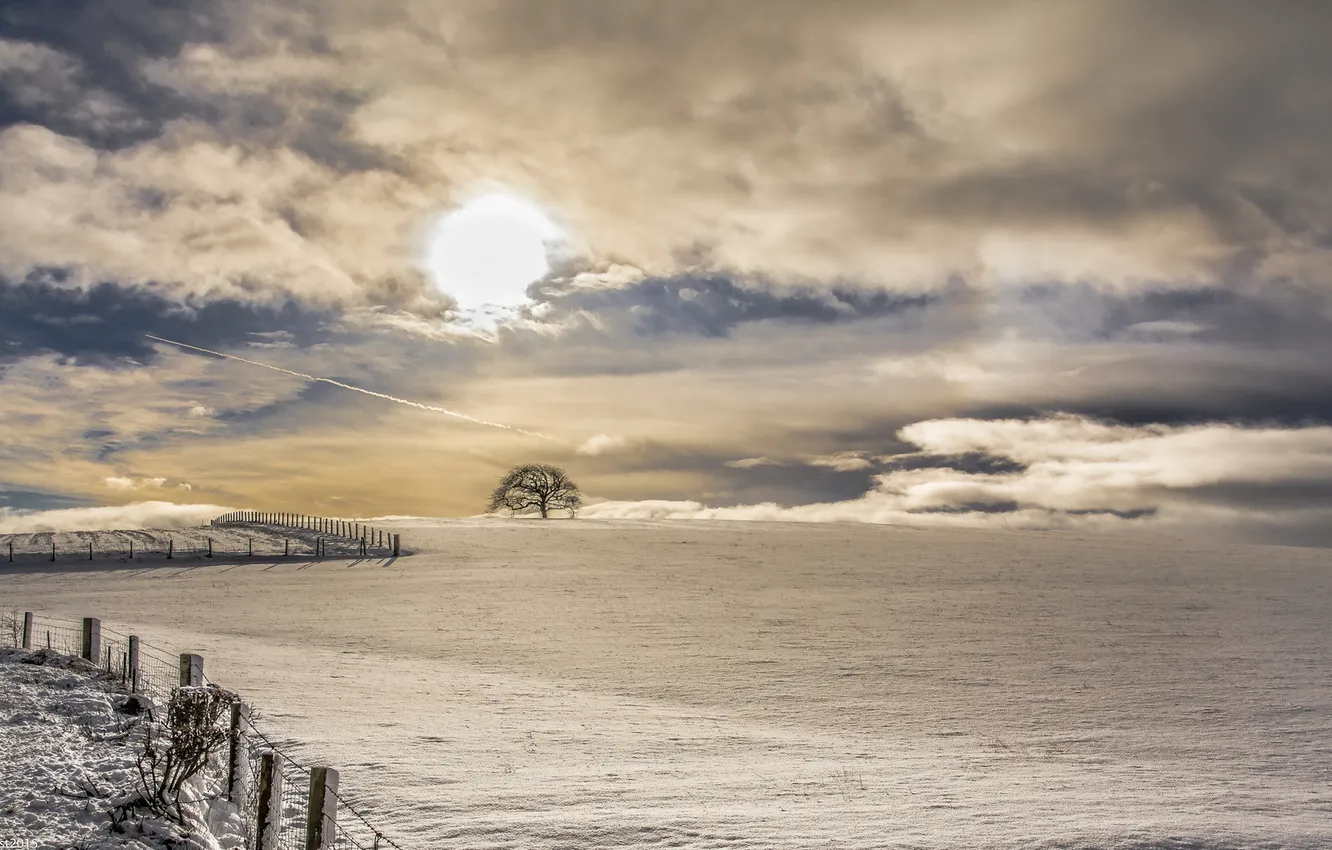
379,836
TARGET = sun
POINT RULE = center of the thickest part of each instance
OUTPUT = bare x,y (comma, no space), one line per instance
487,252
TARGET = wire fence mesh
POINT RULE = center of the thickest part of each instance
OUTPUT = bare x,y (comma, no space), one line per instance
295,812
60,637
160,677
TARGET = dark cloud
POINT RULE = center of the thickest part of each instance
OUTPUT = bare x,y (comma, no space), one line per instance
972,463
37,500
103,48
105,324
1289,317
713,306
1267,495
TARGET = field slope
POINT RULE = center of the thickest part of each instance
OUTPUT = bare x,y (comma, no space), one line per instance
614,684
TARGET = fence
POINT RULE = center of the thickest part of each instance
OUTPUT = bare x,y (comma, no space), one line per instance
276,535
285,805
338,529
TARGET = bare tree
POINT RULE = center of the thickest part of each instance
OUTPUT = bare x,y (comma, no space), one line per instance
535,487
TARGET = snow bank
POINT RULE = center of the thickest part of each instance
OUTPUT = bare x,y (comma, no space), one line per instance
68,760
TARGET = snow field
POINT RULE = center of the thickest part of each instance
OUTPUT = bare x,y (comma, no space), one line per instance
614,684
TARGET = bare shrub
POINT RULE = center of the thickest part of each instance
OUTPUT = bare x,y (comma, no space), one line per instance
11,626
194,735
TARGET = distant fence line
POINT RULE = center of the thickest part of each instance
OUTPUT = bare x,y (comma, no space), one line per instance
261,780
323,537
368,537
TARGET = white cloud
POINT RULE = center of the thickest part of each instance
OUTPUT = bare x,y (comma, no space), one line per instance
752,463
616,276
199,411
600,444
839,461
842,461
1078,473
1164,329
129,483
134,515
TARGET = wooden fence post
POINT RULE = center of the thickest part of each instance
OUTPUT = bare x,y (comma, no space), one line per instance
52,547
286,547
210,547
89,550
27,629
238,765
134,674
322,812
397,541
131,548
171,548
268,820
92,639
250,541
191,670
11,551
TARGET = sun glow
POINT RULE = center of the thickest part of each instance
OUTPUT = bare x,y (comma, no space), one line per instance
487,252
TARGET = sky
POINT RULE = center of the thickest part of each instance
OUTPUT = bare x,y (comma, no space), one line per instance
992,264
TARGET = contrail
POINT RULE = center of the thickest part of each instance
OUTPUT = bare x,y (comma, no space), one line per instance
455,414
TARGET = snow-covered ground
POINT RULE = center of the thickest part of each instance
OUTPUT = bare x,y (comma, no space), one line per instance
600,684
68,762
62,755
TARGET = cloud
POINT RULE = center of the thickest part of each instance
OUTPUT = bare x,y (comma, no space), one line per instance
752,463
843,461
134,483
600,444
890,145
131,516
1072,472
793,235
714,306
39,80
106,322
130,483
